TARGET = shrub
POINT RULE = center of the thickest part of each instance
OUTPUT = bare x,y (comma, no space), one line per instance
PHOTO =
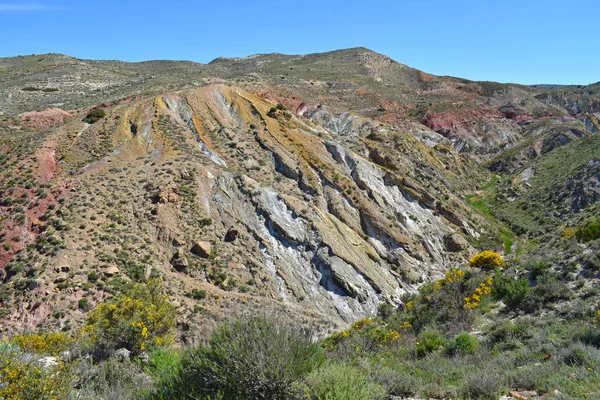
249,358
112,379
397,383
135,319
537,268
95,115
444,304
196,294
22,377
545,293
341,382
463,343
92,276
589,232
511,291
51,343
485,383
486,260
83,304
164,366
428,342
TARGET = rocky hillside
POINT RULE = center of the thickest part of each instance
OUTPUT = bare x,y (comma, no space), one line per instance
323,185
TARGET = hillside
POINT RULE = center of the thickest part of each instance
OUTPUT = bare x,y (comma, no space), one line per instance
323,186
342,198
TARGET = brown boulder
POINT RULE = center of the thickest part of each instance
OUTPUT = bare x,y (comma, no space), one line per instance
179,260
202,249
110,271
62,277
455,242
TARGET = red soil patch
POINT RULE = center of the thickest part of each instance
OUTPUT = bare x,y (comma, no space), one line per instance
47,165
44,119
290,101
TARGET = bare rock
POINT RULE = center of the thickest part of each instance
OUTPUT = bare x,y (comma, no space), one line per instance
168,195
179,260
62,268
123,354
202,249
48,362
61,277
110,271
455,242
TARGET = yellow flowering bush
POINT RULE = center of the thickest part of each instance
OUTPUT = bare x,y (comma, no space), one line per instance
487,260
454,275
484,288
51,343
362,323
377,331
21,379
138,318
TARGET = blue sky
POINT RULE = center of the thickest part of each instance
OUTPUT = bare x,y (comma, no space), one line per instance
524,41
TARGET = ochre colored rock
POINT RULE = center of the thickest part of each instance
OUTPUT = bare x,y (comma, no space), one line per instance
110,271
202,249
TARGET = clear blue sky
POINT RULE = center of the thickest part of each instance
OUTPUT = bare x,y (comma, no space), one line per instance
522,41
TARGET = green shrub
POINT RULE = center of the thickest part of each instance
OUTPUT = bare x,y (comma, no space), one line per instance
249,358
545,293
83,304
342,382
508,335
591,336
139,317
197,294
95,115
537,268
165,366
397,383
511,291
428,342
463,343
589,232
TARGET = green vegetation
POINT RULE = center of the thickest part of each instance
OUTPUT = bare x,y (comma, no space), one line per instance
588,232
139,318
248,358
24,377
95,115
421,349
335,381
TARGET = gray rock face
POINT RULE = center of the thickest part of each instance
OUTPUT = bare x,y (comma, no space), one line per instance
335,246
583,189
